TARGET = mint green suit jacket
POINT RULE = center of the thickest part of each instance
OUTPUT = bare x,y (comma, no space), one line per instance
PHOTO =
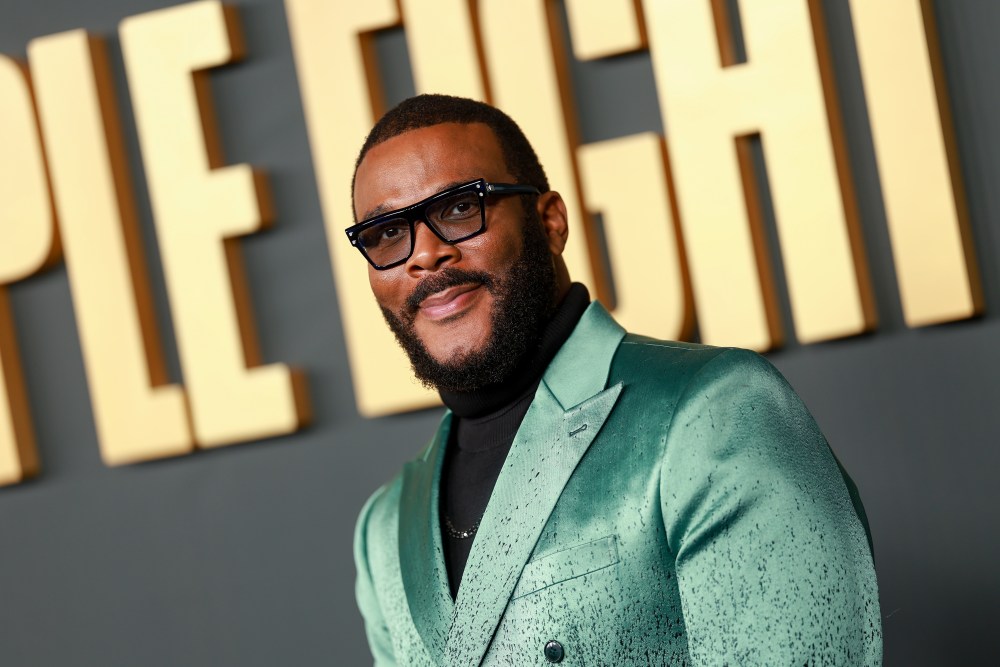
662,504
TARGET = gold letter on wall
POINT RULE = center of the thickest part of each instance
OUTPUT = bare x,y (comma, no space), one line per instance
138,415
443,46
523,49
18,456
917,162
339,88
709,103
27,243
606,28
200,208
626,181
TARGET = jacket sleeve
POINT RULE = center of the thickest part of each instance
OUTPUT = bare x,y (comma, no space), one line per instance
773,563
376,629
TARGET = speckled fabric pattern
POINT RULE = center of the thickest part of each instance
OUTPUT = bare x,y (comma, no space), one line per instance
662,504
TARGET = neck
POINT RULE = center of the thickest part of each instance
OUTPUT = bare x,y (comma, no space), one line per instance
529,371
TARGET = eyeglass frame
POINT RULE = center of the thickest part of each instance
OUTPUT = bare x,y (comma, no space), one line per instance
417,212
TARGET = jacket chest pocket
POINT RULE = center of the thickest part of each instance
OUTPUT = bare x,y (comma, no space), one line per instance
566,564
570,598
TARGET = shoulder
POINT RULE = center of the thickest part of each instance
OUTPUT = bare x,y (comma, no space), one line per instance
377,513
378,520
636,352
733,392
736,409
682,367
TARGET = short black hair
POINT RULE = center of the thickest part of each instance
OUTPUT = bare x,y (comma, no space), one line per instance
427,110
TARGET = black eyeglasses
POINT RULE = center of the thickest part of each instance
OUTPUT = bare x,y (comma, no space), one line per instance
454,215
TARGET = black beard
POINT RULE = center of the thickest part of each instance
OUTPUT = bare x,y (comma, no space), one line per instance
523,302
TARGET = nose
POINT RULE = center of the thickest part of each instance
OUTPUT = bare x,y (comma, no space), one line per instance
429,252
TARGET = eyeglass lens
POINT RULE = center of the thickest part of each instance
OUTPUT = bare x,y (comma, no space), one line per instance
453,218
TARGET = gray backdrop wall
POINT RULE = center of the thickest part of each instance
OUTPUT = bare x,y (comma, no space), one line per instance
242,556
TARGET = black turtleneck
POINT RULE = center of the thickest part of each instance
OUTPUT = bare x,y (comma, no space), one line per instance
483,426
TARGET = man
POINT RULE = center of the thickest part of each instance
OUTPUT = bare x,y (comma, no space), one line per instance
591,496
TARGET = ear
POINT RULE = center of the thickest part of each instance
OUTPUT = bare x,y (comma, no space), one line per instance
552,213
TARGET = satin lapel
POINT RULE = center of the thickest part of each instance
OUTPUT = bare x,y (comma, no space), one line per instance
421,558
581,368
548,446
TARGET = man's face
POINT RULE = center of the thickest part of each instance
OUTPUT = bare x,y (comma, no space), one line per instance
474,305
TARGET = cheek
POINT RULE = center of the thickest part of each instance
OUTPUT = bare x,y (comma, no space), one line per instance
382,287
498,252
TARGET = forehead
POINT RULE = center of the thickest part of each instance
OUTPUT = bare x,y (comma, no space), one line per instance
417,164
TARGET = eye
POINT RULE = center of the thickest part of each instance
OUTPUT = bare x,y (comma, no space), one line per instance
460,207
384,235
390,233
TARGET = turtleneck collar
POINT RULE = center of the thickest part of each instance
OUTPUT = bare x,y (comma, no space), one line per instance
529,372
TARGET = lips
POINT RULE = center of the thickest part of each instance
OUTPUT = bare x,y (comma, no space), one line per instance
445,286
449,301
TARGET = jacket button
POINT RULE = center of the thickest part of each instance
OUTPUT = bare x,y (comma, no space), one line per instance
554,651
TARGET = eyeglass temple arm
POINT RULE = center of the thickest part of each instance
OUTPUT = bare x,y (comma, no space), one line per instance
505,188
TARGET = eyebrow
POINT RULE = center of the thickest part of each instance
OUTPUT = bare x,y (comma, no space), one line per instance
382,208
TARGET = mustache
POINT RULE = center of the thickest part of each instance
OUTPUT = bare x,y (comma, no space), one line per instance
444,279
